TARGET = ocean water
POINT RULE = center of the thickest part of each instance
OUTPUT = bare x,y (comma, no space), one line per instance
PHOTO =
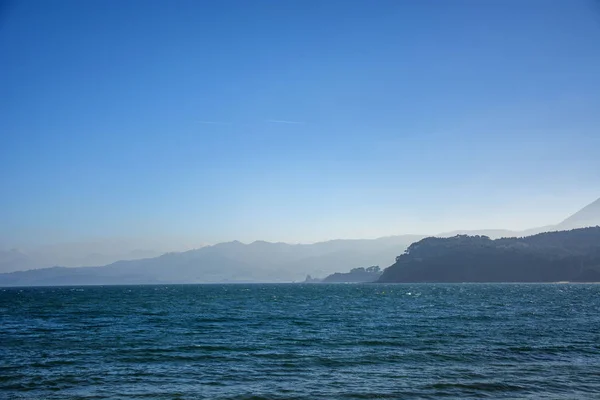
369,341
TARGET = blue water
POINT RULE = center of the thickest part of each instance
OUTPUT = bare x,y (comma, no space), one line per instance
301,342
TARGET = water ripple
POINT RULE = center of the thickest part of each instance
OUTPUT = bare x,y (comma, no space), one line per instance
301,342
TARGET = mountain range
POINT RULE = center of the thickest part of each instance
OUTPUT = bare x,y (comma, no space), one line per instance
87,253
255,262
228,262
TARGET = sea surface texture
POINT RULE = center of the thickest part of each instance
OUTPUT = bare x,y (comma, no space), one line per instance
368,341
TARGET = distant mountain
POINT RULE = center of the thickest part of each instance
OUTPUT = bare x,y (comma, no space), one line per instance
547,257
16,260
587,216
78,254
21,260
228,262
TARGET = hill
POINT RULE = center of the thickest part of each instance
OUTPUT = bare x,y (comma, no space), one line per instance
547,257
356,275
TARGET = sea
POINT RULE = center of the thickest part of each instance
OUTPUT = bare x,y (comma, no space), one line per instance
301,341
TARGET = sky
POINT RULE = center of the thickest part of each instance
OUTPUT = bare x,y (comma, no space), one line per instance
294,121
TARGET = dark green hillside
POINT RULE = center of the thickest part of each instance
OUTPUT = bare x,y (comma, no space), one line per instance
547,257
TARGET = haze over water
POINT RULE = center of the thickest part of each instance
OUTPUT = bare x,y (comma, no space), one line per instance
301,341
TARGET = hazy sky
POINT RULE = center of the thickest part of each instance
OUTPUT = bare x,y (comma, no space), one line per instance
295,120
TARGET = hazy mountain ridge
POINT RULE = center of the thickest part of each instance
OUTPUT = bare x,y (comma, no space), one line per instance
258,261
78,254
588,216
19,260
228,262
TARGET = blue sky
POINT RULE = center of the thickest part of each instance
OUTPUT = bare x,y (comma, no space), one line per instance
295,120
